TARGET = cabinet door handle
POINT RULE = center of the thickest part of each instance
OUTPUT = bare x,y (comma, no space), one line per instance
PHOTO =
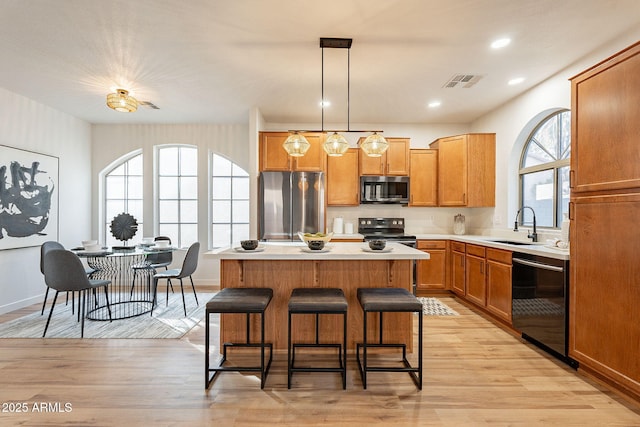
572,177
482,268
570,210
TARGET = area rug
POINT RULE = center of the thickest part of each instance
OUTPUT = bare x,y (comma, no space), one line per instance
168,321
435,307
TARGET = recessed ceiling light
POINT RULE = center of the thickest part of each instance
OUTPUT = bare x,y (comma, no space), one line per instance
516,81
500,43
324,103
434,104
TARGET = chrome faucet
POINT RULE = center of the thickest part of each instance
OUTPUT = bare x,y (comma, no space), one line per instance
532,235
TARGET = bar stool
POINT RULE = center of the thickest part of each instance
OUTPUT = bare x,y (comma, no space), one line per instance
239,300
385,300
318,301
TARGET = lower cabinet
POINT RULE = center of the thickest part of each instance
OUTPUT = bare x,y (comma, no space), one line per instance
432,273
458,269
499,283
482,276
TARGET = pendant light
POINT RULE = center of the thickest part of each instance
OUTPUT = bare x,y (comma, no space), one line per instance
336,144
374,145
122,101
296,144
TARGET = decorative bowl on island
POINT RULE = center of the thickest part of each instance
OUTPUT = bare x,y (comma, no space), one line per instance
377,245
249,245
315,245
306,237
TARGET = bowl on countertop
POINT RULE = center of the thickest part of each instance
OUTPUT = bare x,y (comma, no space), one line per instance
316,245
162,243
377,245
249,245
306,237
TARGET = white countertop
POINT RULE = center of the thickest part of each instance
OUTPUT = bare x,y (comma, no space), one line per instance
336,251
538,248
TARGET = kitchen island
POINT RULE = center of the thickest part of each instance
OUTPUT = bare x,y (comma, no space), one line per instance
345,265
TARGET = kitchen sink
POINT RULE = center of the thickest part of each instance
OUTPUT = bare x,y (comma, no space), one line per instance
512,242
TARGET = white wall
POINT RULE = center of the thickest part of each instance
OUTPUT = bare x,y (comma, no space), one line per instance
32,126
111,142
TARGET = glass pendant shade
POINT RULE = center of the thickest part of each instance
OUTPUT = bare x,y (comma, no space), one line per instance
336,145
121,101
296,145
374,145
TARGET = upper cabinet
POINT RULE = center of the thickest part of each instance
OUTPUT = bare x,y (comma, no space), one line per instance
605,123
423,178
343,182
273,157
466,170
395,161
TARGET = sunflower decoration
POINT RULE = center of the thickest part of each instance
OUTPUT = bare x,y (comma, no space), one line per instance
124,227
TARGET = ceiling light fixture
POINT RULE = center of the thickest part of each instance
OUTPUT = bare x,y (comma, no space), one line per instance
336,144
515,81
121,101
434,104
500,43
296,144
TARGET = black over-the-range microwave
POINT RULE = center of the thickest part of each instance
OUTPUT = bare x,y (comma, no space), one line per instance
384,189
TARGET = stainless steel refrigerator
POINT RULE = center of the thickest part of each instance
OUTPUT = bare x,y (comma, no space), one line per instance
291,202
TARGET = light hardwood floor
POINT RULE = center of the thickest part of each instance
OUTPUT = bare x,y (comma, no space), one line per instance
475,374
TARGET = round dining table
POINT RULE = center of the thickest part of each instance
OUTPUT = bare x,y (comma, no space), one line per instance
131,275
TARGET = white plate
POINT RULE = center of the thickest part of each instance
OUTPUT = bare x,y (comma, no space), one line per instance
158,248
241,249
315,251
377,251
557,248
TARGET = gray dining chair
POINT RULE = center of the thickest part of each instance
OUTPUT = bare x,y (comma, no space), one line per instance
151,263
189,266
64,272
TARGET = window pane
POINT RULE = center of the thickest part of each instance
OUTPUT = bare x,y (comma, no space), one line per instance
168,188
241,188
220,235
538,193
189,211
535,155
221,212
240,232
113,208
547,137
189,187
115,187
134,187
188,234
134,207
118,170
565,135
221,166
240,210
563,189
168,161
238,171
135,165
168,211
188,161
169,230
221,188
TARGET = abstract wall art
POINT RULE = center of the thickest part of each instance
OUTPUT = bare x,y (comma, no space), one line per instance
28,198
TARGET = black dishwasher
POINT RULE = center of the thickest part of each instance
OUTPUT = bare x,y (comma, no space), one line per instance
539,306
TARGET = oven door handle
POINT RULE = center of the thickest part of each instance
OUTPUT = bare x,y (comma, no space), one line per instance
537,264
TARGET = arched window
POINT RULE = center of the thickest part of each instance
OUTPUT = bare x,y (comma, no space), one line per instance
229,202
177,192
544,171
123,193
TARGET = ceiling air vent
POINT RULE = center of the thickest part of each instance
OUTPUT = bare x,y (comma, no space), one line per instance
149,105
462,80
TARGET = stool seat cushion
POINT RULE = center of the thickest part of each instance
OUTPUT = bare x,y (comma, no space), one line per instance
240,300
317,300
388,299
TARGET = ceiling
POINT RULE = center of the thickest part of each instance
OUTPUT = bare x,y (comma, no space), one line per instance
211,61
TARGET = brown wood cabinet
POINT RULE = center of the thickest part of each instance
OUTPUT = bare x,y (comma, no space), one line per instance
458,276
395,161
475,275
431,273
466,170
423,178
273,157
499,283
604,319
343,181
